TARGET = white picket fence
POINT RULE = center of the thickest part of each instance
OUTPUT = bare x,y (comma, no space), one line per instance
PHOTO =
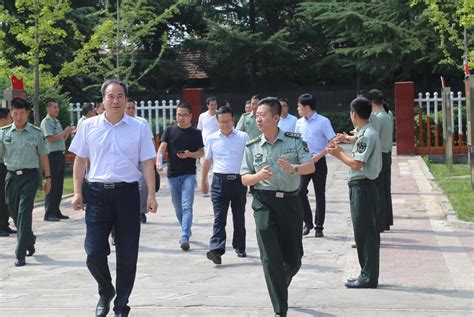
432,104
157,113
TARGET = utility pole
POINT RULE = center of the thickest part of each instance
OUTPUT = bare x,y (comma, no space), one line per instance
36,111
117,62
470,119
447,128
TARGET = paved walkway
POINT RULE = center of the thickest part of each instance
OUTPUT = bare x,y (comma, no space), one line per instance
426,265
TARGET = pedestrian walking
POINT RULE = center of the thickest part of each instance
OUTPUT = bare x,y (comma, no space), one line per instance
247,121
184,145
272,164
316,130
225,150
55,142
115,145
287,121
365,164
23,148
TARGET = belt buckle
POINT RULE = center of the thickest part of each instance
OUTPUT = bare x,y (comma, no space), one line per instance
19,172
231,177
109,186
279,194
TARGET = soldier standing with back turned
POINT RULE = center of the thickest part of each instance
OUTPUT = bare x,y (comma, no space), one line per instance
273,163
22,146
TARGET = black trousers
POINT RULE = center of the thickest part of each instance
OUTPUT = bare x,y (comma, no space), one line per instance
3,205
225,191
53,199
118,207
319,184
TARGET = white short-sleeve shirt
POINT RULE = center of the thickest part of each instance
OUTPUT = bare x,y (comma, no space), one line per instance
226,152
287,124
207,124
114,150
315,131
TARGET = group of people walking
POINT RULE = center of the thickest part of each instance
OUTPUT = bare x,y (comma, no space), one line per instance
270,153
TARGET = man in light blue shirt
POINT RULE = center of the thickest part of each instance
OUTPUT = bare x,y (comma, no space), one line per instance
316,130
225,149
287,121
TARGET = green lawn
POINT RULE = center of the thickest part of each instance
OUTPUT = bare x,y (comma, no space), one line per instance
68,187
457,185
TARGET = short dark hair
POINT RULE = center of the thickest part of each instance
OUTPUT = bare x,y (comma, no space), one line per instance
362,106
377,96
50,103
131,100
4,112
283,99
209,99
109,82
307,100
273,103
255,97
224,109
363,93
86,108
248,101
18,103
185,106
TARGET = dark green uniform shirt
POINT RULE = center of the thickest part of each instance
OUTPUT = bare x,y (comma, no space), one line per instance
20,149
259,153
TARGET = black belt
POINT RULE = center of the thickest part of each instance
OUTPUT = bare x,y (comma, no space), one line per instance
23,171
111,185
57,152
277,194
359,181
229,177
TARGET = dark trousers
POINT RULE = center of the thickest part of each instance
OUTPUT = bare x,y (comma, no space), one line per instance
319,183
279,223
53,199
3,204
118,207
364,221
225,191
387,186
20,196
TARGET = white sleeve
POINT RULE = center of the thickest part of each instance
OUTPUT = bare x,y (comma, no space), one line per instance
79,142
147,149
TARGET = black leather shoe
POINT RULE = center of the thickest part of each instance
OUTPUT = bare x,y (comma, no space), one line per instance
306,230
319,234
4,233
184,246
31,249
121,314
280,315
214,257
358,284
241,254
103,306
20,262
61,216
10,230
51,218
142,218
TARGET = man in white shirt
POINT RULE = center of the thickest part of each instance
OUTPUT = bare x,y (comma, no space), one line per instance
207,123
287,121
115,145
225,149
316,130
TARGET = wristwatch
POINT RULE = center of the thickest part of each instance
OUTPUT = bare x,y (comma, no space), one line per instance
47,177
294,168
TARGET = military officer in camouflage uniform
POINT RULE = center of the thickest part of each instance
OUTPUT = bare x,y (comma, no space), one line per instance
273,163
22,146
365,164
55,142
247,122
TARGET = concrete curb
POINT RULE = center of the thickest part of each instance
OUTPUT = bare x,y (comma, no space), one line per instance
446,206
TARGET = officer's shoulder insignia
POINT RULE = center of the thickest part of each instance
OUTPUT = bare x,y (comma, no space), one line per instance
252,141
293,135
361,147
6,127
36,127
